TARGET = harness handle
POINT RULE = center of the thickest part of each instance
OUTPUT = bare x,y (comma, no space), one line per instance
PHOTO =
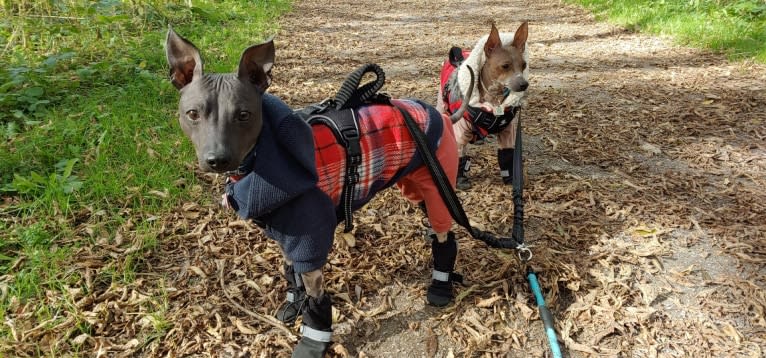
351,95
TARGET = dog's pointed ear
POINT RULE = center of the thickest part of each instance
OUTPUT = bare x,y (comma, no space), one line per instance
256,63
493,41
184,59
520,37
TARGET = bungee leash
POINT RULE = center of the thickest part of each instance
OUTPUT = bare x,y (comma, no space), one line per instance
518,232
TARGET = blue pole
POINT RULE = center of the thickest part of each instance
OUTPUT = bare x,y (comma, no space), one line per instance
545,314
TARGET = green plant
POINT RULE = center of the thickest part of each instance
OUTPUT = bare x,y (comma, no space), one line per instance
56,47
55,188
85,82
733,27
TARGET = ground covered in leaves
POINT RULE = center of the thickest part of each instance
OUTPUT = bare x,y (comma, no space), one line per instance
645,206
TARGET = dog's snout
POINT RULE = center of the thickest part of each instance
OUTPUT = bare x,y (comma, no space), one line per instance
519,84
217,162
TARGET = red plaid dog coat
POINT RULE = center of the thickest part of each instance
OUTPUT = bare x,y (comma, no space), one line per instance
388,150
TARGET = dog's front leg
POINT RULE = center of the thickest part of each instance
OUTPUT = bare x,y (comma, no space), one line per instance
463,135
306,297
317,318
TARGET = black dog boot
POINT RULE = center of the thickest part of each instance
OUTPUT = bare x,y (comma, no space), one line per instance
463,166
440,292
505,161
296,294
316,328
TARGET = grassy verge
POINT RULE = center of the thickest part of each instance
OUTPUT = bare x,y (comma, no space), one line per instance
90,142
734,27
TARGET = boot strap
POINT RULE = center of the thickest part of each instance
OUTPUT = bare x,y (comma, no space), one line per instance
315,334
447,276
467,165
291,297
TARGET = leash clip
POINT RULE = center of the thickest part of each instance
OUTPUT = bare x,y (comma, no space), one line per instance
525,254
320,107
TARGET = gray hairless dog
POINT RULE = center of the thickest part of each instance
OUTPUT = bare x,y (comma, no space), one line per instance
290,190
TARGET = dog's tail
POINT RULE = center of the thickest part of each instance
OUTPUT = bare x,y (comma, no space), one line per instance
467,98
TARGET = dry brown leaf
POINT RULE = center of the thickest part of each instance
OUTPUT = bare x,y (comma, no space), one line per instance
526,312
349,239
162,194
198,271
731,332
651,148
340,350
242,327
80,339
489,302
648,293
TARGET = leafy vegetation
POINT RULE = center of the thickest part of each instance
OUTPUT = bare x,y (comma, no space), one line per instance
89,138
734,27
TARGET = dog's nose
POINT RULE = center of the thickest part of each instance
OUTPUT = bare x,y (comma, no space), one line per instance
523,86
217,161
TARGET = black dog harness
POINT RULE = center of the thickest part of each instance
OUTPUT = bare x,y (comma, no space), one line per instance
339,115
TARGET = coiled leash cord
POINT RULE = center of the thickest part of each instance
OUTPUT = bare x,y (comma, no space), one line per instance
350,95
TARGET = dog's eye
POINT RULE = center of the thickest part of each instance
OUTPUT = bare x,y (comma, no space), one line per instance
506,66
524,66
243,116
193,115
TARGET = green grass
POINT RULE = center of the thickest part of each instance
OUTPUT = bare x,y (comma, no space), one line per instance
89,133
734,27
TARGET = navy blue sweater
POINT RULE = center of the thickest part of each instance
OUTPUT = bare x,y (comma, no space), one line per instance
280,191
282,175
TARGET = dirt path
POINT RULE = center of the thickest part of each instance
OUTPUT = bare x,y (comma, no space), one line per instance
645,204
647,165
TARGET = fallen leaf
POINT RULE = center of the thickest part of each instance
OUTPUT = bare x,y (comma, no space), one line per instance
349,239
488,302
198,271
243,328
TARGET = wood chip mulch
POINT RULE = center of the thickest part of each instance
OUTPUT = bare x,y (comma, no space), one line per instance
645,207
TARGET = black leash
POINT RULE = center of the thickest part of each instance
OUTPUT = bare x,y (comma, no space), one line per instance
518,187
448,195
